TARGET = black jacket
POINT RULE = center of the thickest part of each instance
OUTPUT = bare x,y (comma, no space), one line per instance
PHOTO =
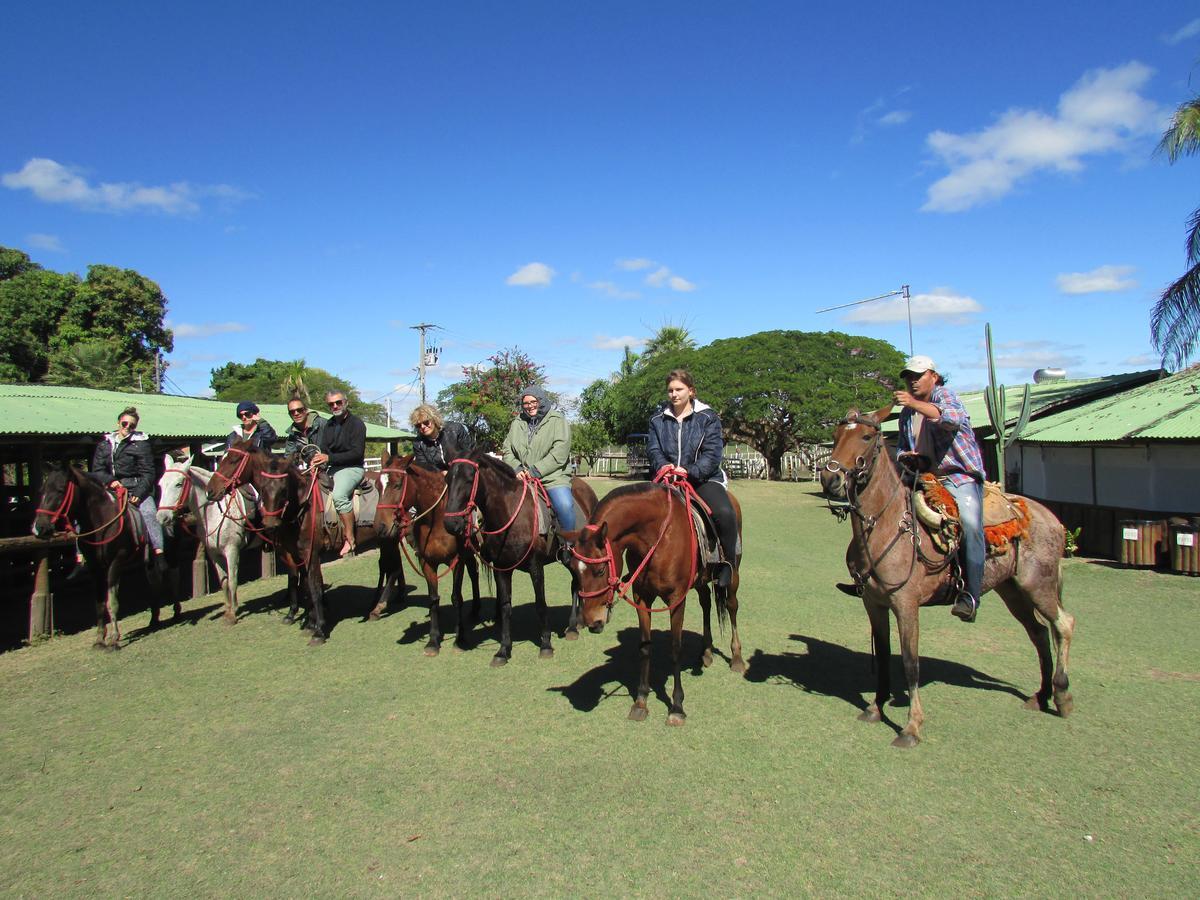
263,438
452,442
130,462
297,441
344,441
695,443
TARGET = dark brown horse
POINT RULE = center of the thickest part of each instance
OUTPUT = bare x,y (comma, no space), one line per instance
406,487
509,538
901,569
648,527
111,537
293,511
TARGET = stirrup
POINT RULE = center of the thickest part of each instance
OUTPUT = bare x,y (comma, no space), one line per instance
722,573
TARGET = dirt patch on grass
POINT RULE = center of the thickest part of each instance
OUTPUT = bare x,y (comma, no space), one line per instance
1160,675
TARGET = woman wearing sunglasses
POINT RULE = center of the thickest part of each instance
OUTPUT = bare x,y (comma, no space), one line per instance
256,430
438,442
124,456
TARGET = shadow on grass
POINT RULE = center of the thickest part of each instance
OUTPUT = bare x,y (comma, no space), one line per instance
836,671
623,668
168,620
524,624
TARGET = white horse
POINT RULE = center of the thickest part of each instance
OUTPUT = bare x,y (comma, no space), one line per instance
185,489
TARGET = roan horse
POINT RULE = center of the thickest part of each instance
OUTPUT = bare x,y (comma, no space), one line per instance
183,489
293,511
111,538
649,527
509,538
901,569
405,486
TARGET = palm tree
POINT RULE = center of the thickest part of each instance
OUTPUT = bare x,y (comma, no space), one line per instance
1175,319
293,381
94,364
668,339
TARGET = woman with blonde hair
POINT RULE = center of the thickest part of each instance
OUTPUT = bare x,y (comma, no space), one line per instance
438,442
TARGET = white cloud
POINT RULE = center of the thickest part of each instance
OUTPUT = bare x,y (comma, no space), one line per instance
610,289
601,342
1143,359
676,283
1104,279
52,182
1190,30
658,277
895,117
534,274
940,305
1103,112
186,330
634,265
1033,355
48,242
663,277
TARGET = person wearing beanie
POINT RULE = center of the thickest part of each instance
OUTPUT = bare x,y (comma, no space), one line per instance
256,430
538,443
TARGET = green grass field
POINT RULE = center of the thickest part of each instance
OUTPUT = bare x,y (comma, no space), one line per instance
216,761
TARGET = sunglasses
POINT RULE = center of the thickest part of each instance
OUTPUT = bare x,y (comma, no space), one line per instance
127,424
334,404
297,411
426,424
529,403
246,415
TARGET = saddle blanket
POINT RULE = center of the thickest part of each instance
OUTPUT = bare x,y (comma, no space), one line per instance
1005,516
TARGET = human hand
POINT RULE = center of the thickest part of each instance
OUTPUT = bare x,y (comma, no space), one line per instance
319,459
904,398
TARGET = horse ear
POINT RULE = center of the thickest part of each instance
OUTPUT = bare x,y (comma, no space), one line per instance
602,532
405,460
884,412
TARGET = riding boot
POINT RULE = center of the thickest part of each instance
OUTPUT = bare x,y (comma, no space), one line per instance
348,531
160,563
722,573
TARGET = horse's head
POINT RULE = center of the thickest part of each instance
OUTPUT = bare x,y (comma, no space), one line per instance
395,496
462,490
277,493
59,494
237,467
599,570
857,443
174,490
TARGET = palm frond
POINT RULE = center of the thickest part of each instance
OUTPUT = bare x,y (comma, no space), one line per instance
1183,134
1193,239
1175,319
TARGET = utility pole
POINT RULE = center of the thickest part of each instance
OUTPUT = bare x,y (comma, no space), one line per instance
389,409
903,293
425,357
158,373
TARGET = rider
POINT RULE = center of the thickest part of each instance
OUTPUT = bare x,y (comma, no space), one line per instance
538,444
124,457
935,425
438,442
343,445
256,430
305,431
685,439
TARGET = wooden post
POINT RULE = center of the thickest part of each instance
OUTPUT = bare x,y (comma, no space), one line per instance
268,561
199,571
41,604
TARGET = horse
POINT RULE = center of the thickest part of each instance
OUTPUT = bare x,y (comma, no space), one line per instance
406,486
111,537
509,537
649,527
183,488
900,568
293,510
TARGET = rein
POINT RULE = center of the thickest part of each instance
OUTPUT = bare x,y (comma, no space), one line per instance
61,513
407,521
528,486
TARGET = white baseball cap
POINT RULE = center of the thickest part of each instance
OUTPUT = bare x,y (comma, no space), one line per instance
918,364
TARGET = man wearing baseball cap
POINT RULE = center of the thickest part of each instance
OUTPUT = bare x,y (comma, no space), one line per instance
935,425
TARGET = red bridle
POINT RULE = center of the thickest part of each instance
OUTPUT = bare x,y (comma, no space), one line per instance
61,513
529,486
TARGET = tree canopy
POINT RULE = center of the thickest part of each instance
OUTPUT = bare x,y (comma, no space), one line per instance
487,398
51,322
774,390
274,380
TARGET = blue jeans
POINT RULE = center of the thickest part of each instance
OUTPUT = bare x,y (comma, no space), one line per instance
149,510
969,498
563,502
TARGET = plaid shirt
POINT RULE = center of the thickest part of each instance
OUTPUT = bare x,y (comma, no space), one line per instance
957,457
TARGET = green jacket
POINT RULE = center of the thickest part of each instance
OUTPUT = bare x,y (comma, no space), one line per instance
545,453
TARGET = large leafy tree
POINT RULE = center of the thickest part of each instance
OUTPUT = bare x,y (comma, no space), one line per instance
98,364
487,397
1175,319
32,302
273,380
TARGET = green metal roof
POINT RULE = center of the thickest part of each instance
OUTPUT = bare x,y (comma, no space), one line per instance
39,409
1044,398
1168,409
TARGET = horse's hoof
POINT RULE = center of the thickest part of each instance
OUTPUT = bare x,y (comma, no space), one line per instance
706,658
638,713
317,640
373,616
498,661
432,650
676,718
1065,705
112,648
738,666
229,619
905,741
289,620
870,714
571,634
99,645
546,653
458,648
1036,704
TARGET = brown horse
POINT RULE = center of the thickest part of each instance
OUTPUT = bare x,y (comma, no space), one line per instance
293,512
111,538
405,487
649,526
509,537
901,569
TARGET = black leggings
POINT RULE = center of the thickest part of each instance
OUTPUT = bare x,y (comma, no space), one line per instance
714,494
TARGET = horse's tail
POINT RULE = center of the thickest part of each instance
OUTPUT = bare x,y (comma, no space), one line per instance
722,606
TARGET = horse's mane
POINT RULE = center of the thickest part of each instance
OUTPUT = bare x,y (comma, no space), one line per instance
625,490
486,460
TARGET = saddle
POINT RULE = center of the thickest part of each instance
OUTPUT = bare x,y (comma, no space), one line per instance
1005,516
365,500
707,540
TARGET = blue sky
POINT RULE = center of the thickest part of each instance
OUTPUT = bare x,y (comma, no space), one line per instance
307,180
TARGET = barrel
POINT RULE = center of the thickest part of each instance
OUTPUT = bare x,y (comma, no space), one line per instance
1139,540
1185,549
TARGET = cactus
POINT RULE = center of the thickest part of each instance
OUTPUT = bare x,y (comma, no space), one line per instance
997,410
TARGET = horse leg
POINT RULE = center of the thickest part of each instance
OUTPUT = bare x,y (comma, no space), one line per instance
113,639
639,711
293,590
316,592
468,559
908,625
461,625
435,622
503,618
572,632
737,663
1021,607
538,576
676,715
389,561
1046,596
881,647
100,596
233,556
706,650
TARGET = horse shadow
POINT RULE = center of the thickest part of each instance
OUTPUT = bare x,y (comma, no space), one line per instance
623,667
524,624
837,671
187,617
